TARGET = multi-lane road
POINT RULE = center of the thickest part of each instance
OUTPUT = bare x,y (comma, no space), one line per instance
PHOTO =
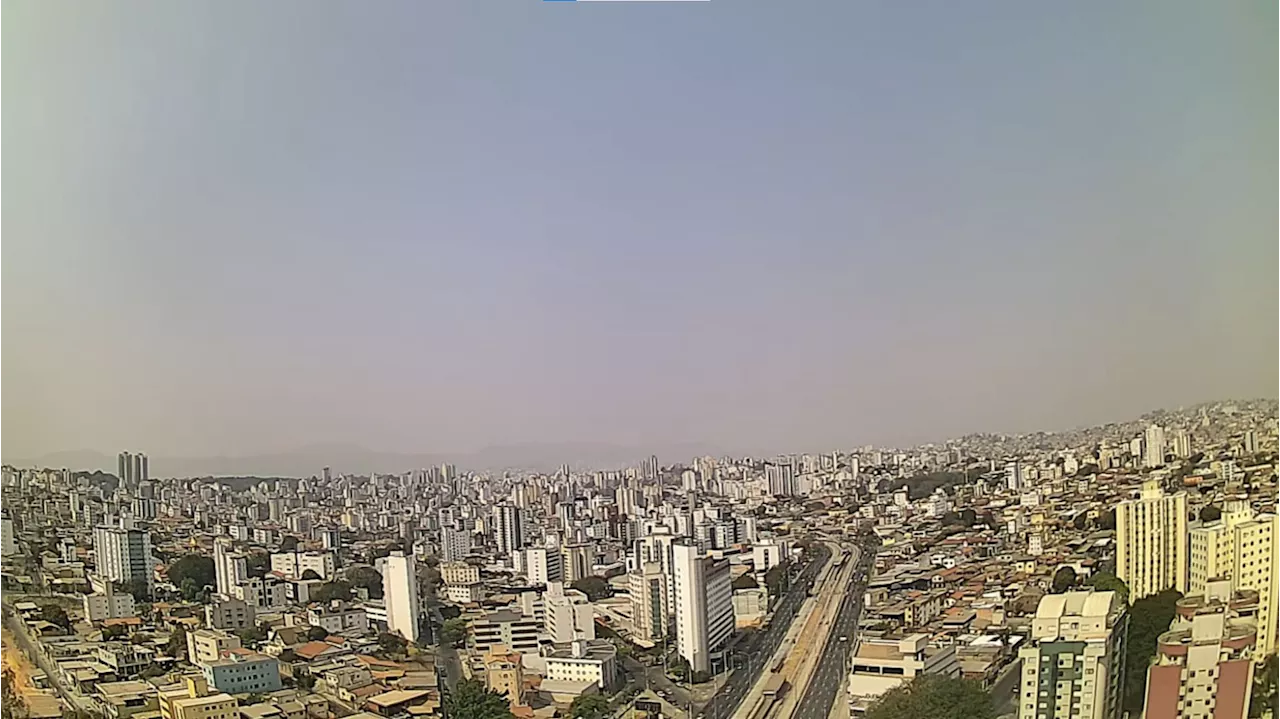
828,676
753,654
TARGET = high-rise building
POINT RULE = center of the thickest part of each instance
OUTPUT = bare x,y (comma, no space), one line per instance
1240,547
577,562
1182,444
131,469
1203,667
781,479
1151,541
508,529
123,555
8,545
1013,476
400,591
650,601
1073,664
567,615
543,565
1153,446
229,567
703,606
1250,442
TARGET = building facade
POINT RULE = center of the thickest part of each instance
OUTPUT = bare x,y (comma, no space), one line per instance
1073,664
1151,542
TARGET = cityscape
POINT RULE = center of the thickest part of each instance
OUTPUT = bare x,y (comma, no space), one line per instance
1120,570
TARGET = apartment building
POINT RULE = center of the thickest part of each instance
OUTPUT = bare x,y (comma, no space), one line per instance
878,664
1240,546
1151,541
1073,665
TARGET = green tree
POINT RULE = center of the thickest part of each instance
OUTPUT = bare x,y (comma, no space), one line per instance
251,637
453,632
54,614
315,634
1148,619
115,631
1080,521
366,577
1108,582
1063,579
177,645
589,706
1210,513
310,574
774,578
935,697
190,590
1107,520
257,565
745,581
197,568
473,700
595,588
392,643
1264,689
333,590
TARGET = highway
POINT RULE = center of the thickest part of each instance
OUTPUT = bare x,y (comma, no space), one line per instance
752,655
828,677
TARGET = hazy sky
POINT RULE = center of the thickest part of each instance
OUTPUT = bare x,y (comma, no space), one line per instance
234,227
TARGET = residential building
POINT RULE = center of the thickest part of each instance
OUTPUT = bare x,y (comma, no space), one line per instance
1203,667
293,565
1240,546
1153,446
1073,663
195,701
1151,541
508,529
567,614
650,601
123,554
504,673
459,573
455,544
240,672
208,645
703,606
577,562
464,593
400,591
8,545
108,604
230,568
224,612
585,661
505,628
542,565
338,618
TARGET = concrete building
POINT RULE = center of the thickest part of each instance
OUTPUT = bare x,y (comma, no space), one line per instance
703,606
339,618
504,673
542,565
650,601
108,604
455,544
1153,447
508,529
585,661
878,664
459,573
505,628
1073,664
230,568
224,612
1241,546
8,544
577,562
240,672
400,591
567,614
292,565
208,645
196,702
1151,542
1203,667
123,555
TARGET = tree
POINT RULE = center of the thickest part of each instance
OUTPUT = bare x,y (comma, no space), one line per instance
54,614
199,569
473,700
114,632
310,574
453,632
190,590
315,634
1148,619
1264,689
306,681
289,543
138,589
392,643
678,668
12,703
1063,579
1108,582
177,646
774,578
251,637
366,577
595,588
326,593
1107,520
1210,513
745,581
1080,521
256,565
935,697
589,706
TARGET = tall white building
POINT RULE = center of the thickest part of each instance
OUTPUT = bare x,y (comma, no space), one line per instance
543,565
650,601
8,545
400,592
123,555
1151,542
1073,664
1153,446
229,567
703,606
1013,476
567,615
508,529
1182,444
455,544
1241,547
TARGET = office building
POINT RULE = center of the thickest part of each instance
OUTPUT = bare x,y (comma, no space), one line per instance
1073,663
1203,667
703,606
1151,542
400,590
1241,547
123,555
567,615
577,562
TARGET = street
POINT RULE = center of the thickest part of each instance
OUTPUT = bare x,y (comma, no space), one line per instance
828,678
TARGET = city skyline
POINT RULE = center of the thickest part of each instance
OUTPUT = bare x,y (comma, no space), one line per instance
445,226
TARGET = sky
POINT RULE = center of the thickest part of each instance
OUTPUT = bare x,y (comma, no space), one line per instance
233,227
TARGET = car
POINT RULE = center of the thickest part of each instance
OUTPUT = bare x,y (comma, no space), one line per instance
844,639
